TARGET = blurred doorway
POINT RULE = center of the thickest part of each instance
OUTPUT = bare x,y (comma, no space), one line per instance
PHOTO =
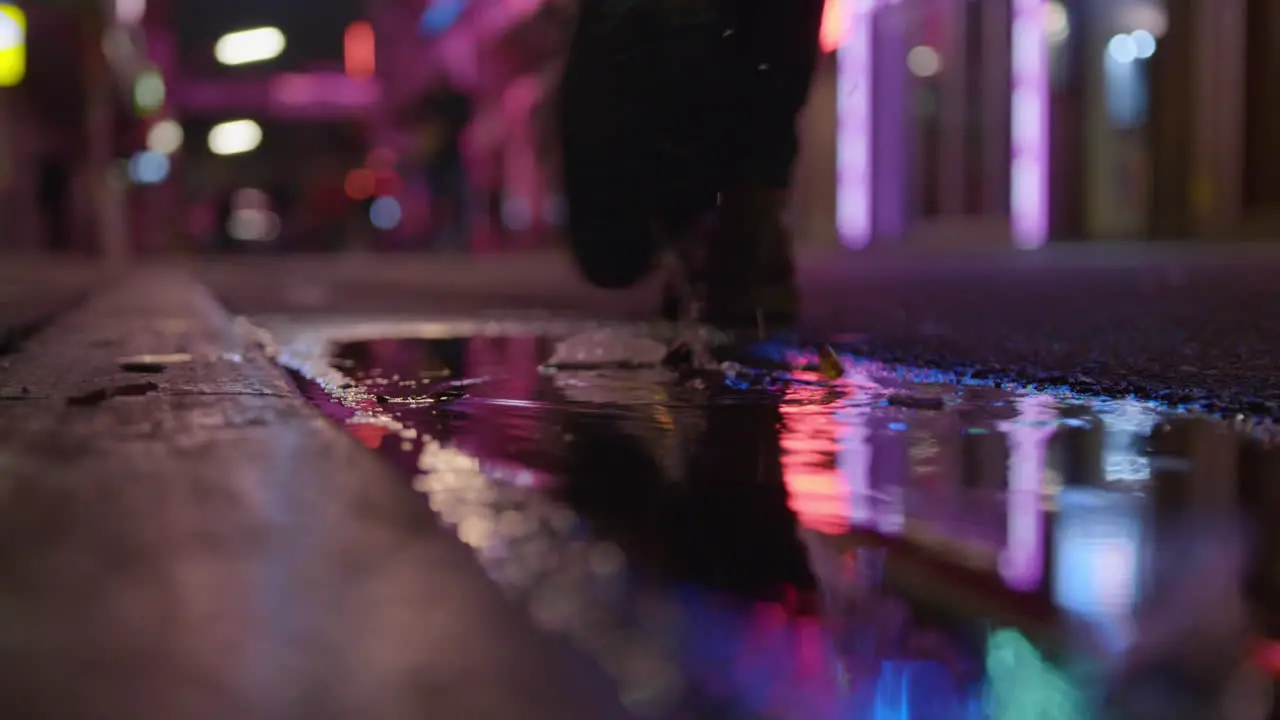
1261,118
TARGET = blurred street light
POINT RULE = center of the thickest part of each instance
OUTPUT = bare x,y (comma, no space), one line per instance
235,137
924,61
358,50
149,91
13,45
249,46
165,137
130,12
148,168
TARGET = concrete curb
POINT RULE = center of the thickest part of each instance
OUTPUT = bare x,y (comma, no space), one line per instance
191,539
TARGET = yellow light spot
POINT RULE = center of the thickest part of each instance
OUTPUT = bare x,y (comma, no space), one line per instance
13,45
829,363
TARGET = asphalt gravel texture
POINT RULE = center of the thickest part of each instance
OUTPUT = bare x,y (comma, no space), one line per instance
1203,336
1190,325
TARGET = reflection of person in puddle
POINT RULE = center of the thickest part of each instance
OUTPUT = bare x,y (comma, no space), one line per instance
725,526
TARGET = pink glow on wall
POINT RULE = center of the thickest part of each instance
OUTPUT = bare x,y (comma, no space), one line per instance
1029,123
853,127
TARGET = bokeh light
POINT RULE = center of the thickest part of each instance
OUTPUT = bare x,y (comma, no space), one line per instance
360,184
130,12
440,15
148,168
235,137
165,137
252,219
1122,49
249,46
13,45
1057,22
359,55
1144,43
385,213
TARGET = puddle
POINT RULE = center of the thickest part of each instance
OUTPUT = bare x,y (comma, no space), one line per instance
787,546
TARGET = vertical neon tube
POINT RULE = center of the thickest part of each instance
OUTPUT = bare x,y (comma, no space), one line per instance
1029,125
853,128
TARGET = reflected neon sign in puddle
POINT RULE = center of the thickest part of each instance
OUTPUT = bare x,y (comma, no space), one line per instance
809,551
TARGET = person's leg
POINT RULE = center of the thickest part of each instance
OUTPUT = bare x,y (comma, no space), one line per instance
775,50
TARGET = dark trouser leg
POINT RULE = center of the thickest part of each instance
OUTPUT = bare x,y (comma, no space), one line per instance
777,48
749,271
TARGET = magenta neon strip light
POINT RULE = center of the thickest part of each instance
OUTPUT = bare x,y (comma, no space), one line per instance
853,127
1029,126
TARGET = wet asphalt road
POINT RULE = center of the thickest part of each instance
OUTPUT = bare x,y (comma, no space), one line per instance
1185,325
790,545
813,548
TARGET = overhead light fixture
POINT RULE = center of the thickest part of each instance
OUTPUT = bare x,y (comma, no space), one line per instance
249,46
149,91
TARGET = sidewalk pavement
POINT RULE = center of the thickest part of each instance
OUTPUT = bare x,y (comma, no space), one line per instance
198,542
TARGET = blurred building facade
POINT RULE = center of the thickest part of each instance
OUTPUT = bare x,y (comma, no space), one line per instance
1160,120
56,133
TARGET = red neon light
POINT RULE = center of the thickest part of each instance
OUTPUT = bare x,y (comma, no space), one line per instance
358,50
835,25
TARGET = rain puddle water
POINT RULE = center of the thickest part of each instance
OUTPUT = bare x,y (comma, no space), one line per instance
786,545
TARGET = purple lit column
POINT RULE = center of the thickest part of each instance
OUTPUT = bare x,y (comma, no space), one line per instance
1029,126
853,128
889,121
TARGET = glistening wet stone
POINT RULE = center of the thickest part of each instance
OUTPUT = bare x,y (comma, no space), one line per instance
884,543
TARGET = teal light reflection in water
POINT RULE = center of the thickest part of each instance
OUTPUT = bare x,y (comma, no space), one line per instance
1023,685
